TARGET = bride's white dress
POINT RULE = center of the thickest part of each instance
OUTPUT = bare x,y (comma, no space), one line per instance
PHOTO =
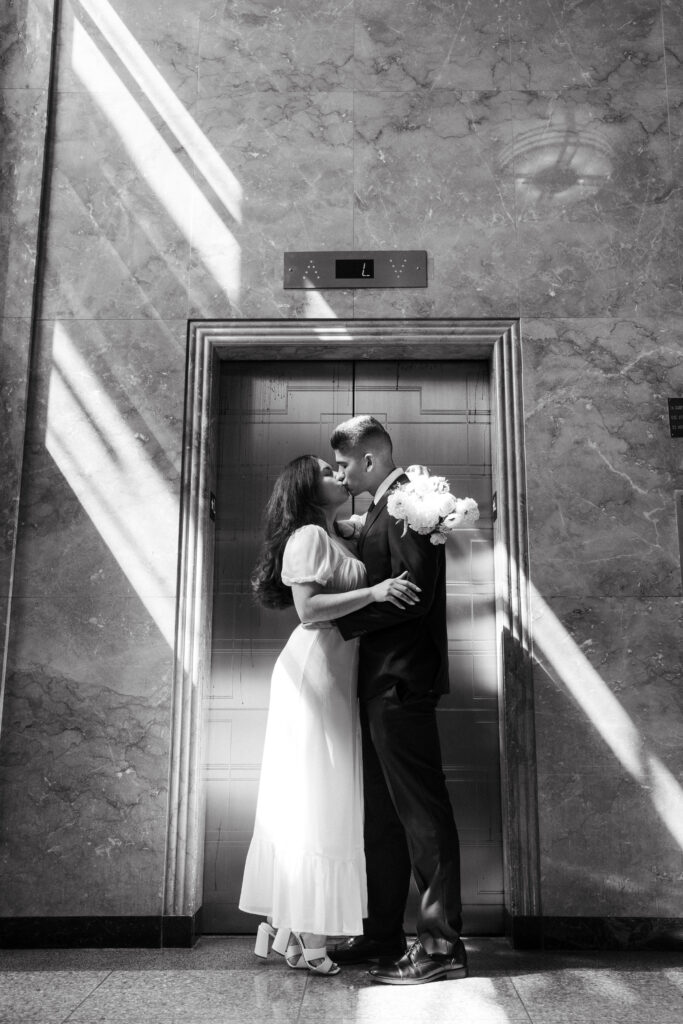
306,866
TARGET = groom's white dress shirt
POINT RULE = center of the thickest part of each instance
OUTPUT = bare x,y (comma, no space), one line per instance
358,522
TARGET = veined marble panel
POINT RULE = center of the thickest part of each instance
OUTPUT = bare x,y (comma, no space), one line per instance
22,129
151,47
84,790
438,299
608,725
599,220
86,720
612,270
554,44
336,304
26,32
604,850
100,509
672,21
416,45
608,690
428,177
675,99
601,466
121,213
291,158
255,46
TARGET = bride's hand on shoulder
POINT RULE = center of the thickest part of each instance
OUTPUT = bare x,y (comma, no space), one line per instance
398,590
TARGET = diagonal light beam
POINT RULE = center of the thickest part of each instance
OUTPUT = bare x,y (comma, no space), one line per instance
159,166
152,83
571,668
115,481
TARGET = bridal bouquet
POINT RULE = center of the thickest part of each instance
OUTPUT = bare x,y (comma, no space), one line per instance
427,506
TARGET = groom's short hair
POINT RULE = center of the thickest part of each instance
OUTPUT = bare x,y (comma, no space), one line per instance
358,432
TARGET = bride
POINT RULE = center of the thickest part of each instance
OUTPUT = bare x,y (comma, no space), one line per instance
305,869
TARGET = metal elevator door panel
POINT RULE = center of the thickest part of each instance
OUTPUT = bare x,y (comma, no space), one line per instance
438,414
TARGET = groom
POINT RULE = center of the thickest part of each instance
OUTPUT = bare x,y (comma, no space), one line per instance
403,670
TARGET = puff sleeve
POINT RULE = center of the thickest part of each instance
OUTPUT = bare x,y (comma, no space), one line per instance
308,557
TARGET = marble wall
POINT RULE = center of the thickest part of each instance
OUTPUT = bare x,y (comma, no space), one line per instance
533,148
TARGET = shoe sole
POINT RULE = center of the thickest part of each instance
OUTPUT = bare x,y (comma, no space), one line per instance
451,974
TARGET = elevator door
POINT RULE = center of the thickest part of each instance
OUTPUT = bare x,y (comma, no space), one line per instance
438,414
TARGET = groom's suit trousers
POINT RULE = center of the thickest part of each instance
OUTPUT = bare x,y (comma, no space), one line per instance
408,821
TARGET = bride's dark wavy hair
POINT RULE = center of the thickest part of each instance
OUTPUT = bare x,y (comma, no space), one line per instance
293,503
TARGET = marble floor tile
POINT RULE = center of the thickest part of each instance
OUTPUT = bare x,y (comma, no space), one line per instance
611,994
221,982
195,997
31,997
476,999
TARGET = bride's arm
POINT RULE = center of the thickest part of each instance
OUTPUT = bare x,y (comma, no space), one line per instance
313,604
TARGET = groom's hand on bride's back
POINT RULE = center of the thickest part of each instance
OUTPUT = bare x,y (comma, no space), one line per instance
399,590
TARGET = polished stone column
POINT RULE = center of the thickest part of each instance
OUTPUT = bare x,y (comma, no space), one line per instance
26,32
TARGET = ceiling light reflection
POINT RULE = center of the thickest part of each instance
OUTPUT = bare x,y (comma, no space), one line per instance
558,163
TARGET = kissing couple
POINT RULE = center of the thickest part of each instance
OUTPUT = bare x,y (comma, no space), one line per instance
352,797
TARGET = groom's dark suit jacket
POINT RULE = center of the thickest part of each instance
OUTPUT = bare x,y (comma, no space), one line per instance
404,647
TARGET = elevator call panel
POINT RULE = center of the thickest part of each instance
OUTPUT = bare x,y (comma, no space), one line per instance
394,268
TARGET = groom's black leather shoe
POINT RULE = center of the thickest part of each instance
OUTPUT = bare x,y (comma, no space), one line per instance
417,967
361,949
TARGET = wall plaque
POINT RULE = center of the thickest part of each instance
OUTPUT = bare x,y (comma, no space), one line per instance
394,268
676,416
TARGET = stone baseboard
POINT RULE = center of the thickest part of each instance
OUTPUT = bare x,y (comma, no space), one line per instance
99,932
608,933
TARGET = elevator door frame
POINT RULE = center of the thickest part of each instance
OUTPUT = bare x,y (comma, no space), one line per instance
208,344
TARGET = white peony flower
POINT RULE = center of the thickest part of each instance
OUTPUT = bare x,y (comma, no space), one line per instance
421,517
396,504
468,509
452,521
426,505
